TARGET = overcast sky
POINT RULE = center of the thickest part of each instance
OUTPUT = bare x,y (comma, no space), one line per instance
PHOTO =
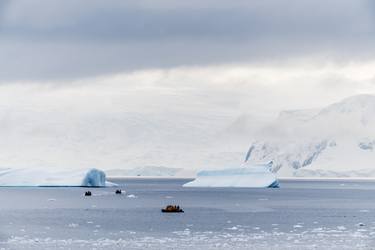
70,39
236,54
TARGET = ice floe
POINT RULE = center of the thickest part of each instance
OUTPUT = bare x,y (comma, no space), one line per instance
188,239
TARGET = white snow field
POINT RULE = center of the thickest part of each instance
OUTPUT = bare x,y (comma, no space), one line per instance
335,141
151,171
258,176
43,177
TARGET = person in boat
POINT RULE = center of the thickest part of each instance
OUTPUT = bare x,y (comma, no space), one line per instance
172,209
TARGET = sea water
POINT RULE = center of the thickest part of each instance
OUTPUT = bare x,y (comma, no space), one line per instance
299,215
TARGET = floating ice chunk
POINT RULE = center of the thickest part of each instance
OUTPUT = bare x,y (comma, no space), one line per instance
45,177
258,176
364,211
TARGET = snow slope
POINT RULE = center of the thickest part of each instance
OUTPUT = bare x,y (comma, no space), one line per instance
116,126
335,141
151,171
43,177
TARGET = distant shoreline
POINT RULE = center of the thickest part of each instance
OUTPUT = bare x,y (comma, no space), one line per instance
280,178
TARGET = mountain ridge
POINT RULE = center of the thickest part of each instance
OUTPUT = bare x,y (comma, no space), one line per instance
339,137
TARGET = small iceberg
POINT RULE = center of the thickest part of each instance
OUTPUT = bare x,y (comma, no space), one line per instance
49,178
254,176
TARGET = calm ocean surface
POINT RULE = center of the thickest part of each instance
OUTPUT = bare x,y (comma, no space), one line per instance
299,215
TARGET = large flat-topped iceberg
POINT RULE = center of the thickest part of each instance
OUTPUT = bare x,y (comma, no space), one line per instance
258,176
43,177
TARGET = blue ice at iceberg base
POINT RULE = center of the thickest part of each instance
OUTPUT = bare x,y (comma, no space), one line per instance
94,178
274,184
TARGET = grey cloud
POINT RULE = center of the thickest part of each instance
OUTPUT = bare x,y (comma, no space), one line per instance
69,39
114,20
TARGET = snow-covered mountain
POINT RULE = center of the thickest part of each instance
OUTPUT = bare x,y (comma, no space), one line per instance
75,127
335,141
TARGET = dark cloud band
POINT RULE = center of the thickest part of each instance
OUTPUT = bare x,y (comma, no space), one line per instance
68,39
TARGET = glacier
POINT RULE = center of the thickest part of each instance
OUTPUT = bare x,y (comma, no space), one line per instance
43,177
334,141
254,176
